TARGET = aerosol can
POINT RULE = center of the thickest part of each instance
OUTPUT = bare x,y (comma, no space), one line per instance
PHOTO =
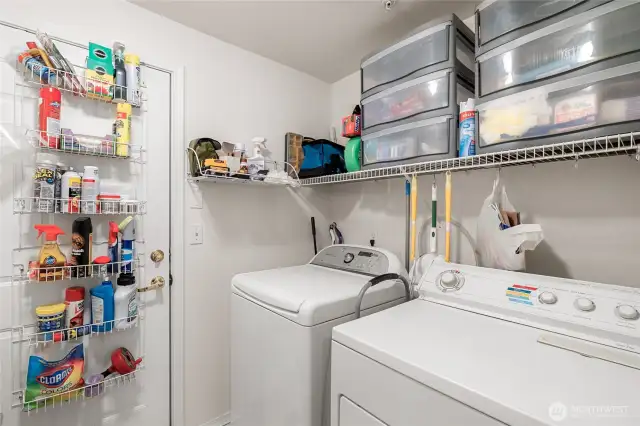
128,230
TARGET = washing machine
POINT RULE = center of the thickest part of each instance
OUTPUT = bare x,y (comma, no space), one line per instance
281,321
484,347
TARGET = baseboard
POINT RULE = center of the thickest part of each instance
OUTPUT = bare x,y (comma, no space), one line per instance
223,420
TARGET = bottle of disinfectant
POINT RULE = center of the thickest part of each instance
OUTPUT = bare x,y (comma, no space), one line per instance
102,306
126,301
52,260
257,163
467,128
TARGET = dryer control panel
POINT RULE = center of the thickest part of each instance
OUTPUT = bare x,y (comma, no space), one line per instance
359,259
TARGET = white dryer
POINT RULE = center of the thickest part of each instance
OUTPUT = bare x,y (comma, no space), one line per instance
484,347
281,321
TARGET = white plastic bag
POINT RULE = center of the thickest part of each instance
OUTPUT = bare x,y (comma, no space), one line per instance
498,248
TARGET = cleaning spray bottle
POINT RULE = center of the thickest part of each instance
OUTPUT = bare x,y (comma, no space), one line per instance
51,258
128,230
113,247
102,306
256,163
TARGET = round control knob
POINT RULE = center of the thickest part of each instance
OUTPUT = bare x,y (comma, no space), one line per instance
348,257
584,304
547,298
628,312
449,280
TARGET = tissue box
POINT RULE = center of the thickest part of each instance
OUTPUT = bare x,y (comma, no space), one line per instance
351,126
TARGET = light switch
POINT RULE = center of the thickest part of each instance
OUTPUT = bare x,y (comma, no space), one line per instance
196,234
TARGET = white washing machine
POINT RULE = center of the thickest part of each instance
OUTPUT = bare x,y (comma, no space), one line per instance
483,347
281,331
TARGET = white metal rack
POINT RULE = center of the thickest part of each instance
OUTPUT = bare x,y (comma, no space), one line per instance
38,274
623,144
27,205
79,394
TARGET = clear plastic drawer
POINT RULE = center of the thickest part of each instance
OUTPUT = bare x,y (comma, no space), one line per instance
598,99
418,141
601,33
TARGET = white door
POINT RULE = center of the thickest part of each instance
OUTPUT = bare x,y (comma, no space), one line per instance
142,398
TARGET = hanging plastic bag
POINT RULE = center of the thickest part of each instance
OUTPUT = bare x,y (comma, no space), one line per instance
502,245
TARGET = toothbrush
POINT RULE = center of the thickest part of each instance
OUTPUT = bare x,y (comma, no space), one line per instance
433,247
447,205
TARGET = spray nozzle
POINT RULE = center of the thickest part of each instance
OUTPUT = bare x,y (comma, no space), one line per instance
113,232
51,232
259,146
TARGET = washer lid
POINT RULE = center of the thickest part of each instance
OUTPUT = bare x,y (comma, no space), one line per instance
311,294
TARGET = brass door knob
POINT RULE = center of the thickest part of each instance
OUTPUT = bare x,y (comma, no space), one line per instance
156,284
157,256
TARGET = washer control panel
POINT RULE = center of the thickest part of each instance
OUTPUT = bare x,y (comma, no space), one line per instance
362,260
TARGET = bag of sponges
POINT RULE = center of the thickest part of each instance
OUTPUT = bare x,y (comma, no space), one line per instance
502,239
58,379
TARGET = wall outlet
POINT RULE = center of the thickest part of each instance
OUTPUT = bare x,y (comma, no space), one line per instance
196,234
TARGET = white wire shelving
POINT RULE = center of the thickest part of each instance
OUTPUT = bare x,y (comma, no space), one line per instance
84,145
35,338
45,274
67,206
606,146
79,394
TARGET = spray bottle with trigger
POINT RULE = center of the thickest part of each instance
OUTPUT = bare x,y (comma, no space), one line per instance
256,163
51,258
128,230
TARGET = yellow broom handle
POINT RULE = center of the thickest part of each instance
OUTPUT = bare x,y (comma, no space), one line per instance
447,201
414,208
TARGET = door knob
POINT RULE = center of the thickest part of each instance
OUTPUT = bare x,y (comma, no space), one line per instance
157,256
156,284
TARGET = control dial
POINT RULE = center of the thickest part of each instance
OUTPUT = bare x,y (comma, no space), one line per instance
548,298
348,258
584,304
627,312
450,281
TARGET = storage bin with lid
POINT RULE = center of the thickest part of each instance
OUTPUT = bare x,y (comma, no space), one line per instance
425,140
597,104
500,21
601,34
442,43
431,95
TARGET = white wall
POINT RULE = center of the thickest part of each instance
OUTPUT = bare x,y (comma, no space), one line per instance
231,95
345,94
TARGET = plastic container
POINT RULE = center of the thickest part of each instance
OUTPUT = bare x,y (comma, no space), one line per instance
74,302
431,139
50,318
436,45
90,190
592,105
421,98
44,182
70,192
132,67
126,302
600,34
123,129
119,73
102,307
498,22
467,128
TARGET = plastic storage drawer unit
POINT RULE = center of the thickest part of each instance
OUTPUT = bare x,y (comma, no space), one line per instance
592,105
600,34
443,43
417,99
431,139
500,21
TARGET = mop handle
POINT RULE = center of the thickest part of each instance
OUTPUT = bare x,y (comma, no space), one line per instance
433,242
447,201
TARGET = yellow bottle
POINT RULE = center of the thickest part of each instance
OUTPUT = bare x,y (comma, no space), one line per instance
52,260
123,129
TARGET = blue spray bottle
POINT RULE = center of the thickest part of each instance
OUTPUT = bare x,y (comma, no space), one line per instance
128,230
102,306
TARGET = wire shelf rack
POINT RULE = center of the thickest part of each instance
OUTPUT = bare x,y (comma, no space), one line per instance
27,205
623,144
37,338
84,145
280,173
78,84
79,394
38,274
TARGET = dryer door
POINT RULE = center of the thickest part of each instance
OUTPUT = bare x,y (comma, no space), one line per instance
353,415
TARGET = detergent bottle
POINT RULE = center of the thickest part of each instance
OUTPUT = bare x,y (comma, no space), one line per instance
102,306
51,259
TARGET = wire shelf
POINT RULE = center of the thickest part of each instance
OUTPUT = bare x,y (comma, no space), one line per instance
78,84
35,338
68,206
606,146
37,274
79,394
84,145
278,177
